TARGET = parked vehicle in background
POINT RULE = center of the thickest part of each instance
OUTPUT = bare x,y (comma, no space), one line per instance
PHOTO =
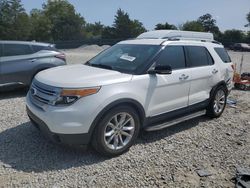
243,47
157,80
21,61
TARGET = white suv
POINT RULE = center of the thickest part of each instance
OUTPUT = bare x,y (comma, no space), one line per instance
157,80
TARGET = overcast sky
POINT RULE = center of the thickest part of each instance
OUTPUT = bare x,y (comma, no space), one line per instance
230,14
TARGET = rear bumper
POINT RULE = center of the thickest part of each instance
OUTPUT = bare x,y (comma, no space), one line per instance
66,139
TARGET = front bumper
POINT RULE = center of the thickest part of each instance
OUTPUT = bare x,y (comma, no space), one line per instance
67,139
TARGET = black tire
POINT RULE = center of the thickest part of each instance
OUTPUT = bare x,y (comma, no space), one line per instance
211,109
99,141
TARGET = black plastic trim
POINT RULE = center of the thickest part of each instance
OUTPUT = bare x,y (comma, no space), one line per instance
152,121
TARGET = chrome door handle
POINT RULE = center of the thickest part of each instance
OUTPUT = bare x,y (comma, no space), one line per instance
32,60
183,77
214,71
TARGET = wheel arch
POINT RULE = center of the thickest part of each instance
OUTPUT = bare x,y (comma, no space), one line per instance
221,83
130,102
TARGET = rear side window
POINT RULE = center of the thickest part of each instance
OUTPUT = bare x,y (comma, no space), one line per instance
16,49
198,56
172,56
1,50
37,48
223,55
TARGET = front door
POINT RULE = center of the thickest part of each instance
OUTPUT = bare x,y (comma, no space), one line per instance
169,92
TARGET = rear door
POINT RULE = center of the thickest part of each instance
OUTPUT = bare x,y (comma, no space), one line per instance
15,63
203,72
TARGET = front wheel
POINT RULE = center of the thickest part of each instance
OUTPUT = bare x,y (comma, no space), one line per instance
217,102
117,131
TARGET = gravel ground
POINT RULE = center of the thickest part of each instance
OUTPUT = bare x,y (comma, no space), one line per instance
167,158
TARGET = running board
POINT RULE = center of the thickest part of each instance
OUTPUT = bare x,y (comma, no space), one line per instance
176,121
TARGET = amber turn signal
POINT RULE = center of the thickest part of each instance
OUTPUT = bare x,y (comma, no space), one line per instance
80,92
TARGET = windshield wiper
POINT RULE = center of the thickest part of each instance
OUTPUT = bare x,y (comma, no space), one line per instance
102,66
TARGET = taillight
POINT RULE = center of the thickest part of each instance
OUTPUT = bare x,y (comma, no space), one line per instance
233,67
61,56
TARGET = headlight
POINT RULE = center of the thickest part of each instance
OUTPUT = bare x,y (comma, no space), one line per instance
69,96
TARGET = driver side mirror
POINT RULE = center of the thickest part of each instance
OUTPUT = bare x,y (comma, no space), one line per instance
160,69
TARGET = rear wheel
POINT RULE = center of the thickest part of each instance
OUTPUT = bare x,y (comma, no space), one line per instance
217,102
116,131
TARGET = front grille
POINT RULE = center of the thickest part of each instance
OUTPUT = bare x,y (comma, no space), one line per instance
42,94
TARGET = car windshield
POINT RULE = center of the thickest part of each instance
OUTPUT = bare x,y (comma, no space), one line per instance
125,58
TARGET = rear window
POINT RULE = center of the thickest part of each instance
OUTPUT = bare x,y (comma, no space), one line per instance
198,56
223,55
16,49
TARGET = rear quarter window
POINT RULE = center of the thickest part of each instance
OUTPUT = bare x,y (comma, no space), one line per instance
16,49
222,53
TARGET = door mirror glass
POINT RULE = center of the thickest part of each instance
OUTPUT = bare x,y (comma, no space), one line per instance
161,69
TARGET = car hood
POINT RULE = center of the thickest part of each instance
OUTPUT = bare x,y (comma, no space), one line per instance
77,76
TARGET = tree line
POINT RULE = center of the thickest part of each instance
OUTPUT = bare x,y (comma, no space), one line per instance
59,21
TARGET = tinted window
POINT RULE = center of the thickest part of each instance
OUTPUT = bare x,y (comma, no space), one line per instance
172,56
127,58
37,48
16,49
198,56
1,50
223,54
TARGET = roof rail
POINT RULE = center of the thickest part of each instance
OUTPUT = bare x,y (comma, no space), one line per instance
176,34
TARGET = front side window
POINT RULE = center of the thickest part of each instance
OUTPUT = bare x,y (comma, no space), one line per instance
16,49
127,58
198,56
172,56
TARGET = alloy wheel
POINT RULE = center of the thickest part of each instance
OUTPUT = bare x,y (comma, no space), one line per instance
119,131
219,101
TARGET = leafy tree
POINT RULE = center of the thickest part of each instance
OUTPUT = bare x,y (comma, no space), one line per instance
137,28
14,21
248,37
233,36
208,23
41,26
192,26
95,29
66,23
108,33
160,26
248,20
124,27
